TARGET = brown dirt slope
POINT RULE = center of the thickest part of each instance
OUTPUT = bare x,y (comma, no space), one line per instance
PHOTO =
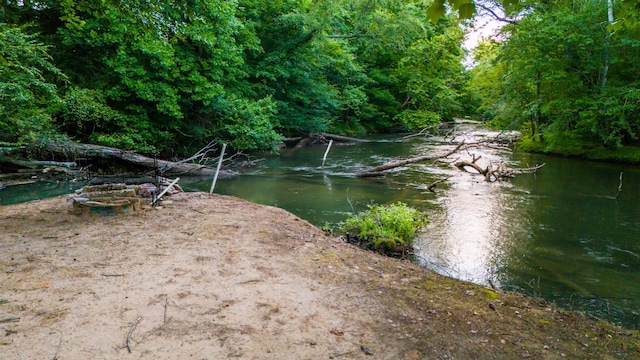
214,277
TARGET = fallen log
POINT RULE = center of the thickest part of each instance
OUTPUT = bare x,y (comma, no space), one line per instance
33,164
340,138
379,170
128,179
105,152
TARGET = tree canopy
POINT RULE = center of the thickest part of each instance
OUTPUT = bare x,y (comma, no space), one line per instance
565,75
168,77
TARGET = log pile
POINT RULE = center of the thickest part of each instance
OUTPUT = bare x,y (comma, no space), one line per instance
116,196
119,196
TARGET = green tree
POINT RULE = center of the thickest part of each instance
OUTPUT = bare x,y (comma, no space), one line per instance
172,67
169,76
433,73
484,85
27,85
551,72
312,77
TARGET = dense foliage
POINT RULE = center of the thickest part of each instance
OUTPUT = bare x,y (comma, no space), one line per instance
26,98
170,76
385,227
566,75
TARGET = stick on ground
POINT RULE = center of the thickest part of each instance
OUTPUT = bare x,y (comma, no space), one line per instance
166,303
133,327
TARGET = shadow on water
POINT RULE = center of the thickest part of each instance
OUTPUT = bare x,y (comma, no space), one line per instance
560,234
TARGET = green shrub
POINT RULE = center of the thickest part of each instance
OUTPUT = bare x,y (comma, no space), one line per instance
386,227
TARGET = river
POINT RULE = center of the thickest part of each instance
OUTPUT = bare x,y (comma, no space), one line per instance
560,234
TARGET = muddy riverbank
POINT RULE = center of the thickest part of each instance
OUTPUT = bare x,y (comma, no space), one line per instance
213,277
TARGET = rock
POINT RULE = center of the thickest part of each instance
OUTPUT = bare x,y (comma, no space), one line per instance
366,350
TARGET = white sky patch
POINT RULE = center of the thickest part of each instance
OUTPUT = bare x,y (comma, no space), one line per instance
485,28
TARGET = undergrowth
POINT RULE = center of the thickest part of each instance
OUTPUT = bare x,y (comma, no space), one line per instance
385,227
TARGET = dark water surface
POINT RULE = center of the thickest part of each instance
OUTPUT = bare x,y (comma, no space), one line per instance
560,234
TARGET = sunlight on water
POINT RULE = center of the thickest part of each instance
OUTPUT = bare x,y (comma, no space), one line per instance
461,236
461,239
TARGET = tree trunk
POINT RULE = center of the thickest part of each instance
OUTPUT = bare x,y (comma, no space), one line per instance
605,50
379,170
340,138
105,152
538,113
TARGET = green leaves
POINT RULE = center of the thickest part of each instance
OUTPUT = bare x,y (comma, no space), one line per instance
26,95
466,9
164,65
548,76
433,77
247,124
164,74
386,227
436,11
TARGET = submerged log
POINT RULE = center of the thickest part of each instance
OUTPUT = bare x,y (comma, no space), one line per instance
463,164
105,152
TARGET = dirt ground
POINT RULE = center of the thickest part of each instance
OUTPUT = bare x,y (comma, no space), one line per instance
215,277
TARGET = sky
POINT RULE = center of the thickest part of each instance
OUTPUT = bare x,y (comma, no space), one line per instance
485,28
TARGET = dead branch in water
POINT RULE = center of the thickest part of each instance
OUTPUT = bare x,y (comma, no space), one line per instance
496,172
619,186
492,172
433,185
201,154
379,170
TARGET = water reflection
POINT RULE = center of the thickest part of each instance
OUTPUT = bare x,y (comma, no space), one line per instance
560,234
462,234
463,237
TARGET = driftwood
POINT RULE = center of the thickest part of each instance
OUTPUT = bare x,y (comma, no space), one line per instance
128,179
619,186
492,172
495,172
98,151
340,138
324,158
34,164
433,185
107,196
164,191
379,170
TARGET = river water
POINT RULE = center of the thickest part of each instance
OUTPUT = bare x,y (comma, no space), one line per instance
560,234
